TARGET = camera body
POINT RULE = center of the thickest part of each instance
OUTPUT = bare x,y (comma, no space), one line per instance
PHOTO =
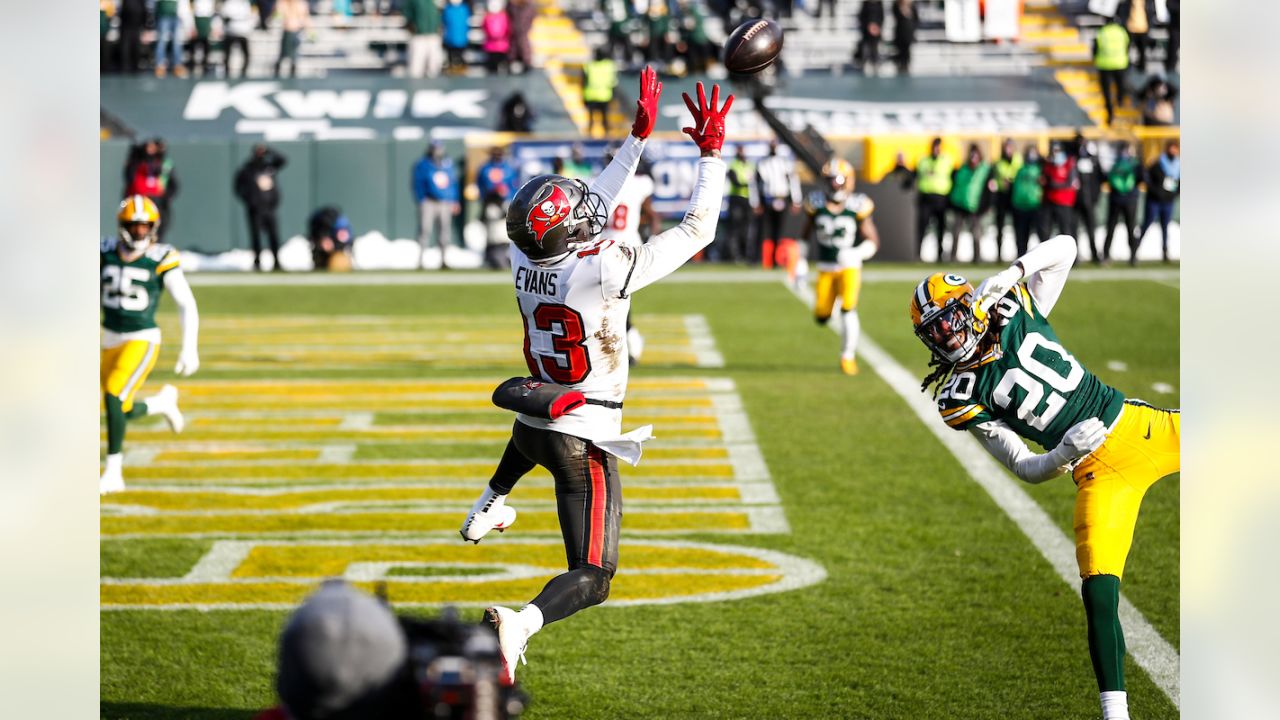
456,668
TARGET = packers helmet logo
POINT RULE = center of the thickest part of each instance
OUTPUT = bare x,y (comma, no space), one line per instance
548,212
953,279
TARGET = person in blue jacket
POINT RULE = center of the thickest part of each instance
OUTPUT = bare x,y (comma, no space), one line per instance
496,183
435,189
457,21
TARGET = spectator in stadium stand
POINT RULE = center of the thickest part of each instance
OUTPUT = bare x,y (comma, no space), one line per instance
295,16
426,53
516,115
1164,182
1111,58
1138,17
1090,190
169,15
1175,38
435,190
932,178
1157,98
693,36
1122,200
133,15
497,35
266,8
237,24
1061,186
658,17
829,6
620,14
150,172
496,185
203,12
905,21
1006,168
522,13
778,187
257,186
599,78
742,203
456,19
866,57
970,197
1026,197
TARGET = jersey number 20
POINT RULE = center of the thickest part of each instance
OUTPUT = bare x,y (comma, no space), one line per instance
1033,376
570,364
119,291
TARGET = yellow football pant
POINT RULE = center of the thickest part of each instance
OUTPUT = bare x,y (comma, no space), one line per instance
1143,447
125,367
832,283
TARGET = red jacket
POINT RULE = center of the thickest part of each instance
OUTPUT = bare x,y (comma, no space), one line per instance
1061,183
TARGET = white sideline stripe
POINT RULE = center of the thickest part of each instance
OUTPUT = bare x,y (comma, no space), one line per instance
336,454
1151,651
872,275
217,564
704,344
356,421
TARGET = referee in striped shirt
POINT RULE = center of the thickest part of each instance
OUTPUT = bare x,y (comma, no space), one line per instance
779,187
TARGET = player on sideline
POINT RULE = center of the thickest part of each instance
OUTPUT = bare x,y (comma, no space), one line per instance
634,210
1000,373
574,290
136,270
844,235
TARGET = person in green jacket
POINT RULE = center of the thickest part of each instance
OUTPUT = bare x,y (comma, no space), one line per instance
1122,200
1026,196
971,186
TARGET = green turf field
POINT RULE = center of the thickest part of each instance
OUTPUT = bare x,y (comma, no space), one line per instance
344,430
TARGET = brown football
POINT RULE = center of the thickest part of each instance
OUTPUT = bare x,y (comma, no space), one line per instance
752,46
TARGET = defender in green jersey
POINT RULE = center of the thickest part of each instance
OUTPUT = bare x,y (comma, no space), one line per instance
135,271
842,236
1000,372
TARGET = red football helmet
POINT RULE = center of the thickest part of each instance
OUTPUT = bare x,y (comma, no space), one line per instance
553,215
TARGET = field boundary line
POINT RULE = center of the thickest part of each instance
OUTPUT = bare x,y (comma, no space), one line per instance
1151,651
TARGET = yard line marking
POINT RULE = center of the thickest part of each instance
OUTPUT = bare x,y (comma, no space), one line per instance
336,454
217,564
140,455
357,421
703,342
1151,651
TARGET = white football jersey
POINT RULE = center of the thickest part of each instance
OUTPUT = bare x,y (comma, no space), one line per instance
624,221
574,336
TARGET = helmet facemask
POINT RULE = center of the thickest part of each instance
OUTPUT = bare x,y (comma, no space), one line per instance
951,333
135,241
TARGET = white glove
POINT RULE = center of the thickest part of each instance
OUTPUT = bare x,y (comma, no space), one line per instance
188,362
1082,438
855,255
996,286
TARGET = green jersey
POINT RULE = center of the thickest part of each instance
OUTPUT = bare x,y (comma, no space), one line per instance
1028,381
131,290
837,229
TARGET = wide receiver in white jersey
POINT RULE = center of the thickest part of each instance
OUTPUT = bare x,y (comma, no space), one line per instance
574,290
633,212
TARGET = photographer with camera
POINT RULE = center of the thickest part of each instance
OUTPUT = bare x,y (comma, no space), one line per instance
345,656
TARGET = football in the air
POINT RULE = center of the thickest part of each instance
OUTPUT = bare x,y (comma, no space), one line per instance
752,46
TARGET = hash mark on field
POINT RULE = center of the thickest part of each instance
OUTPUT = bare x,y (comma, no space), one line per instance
1117,366
1162,388
1151,651
336,454
357,421
703,342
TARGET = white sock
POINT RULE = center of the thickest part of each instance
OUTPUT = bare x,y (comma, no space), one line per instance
852,329
115,464
531,616
485,497
1115,705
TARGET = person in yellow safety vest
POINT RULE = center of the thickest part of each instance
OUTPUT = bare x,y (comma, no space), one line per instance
599,77
742,203
1111,58
932,178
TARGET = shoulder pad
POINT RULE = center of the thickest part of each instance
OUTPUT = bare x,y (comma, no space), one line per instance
861,205
107,244
159,251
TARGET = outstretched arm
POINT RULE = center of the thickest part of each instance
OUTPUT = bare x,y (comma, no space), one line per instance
1008,447
1044,267
628,268
627,159
188,357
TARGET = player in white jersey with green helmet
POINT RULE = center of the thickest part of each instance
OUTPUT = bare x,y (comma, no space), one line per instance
135,272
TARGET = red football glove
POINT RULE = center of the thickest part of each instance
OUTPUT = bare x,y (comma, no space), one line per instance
708,123
647,105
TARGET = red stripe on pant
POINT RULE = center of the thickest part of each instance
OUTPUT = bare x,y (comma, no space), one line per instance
599,498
